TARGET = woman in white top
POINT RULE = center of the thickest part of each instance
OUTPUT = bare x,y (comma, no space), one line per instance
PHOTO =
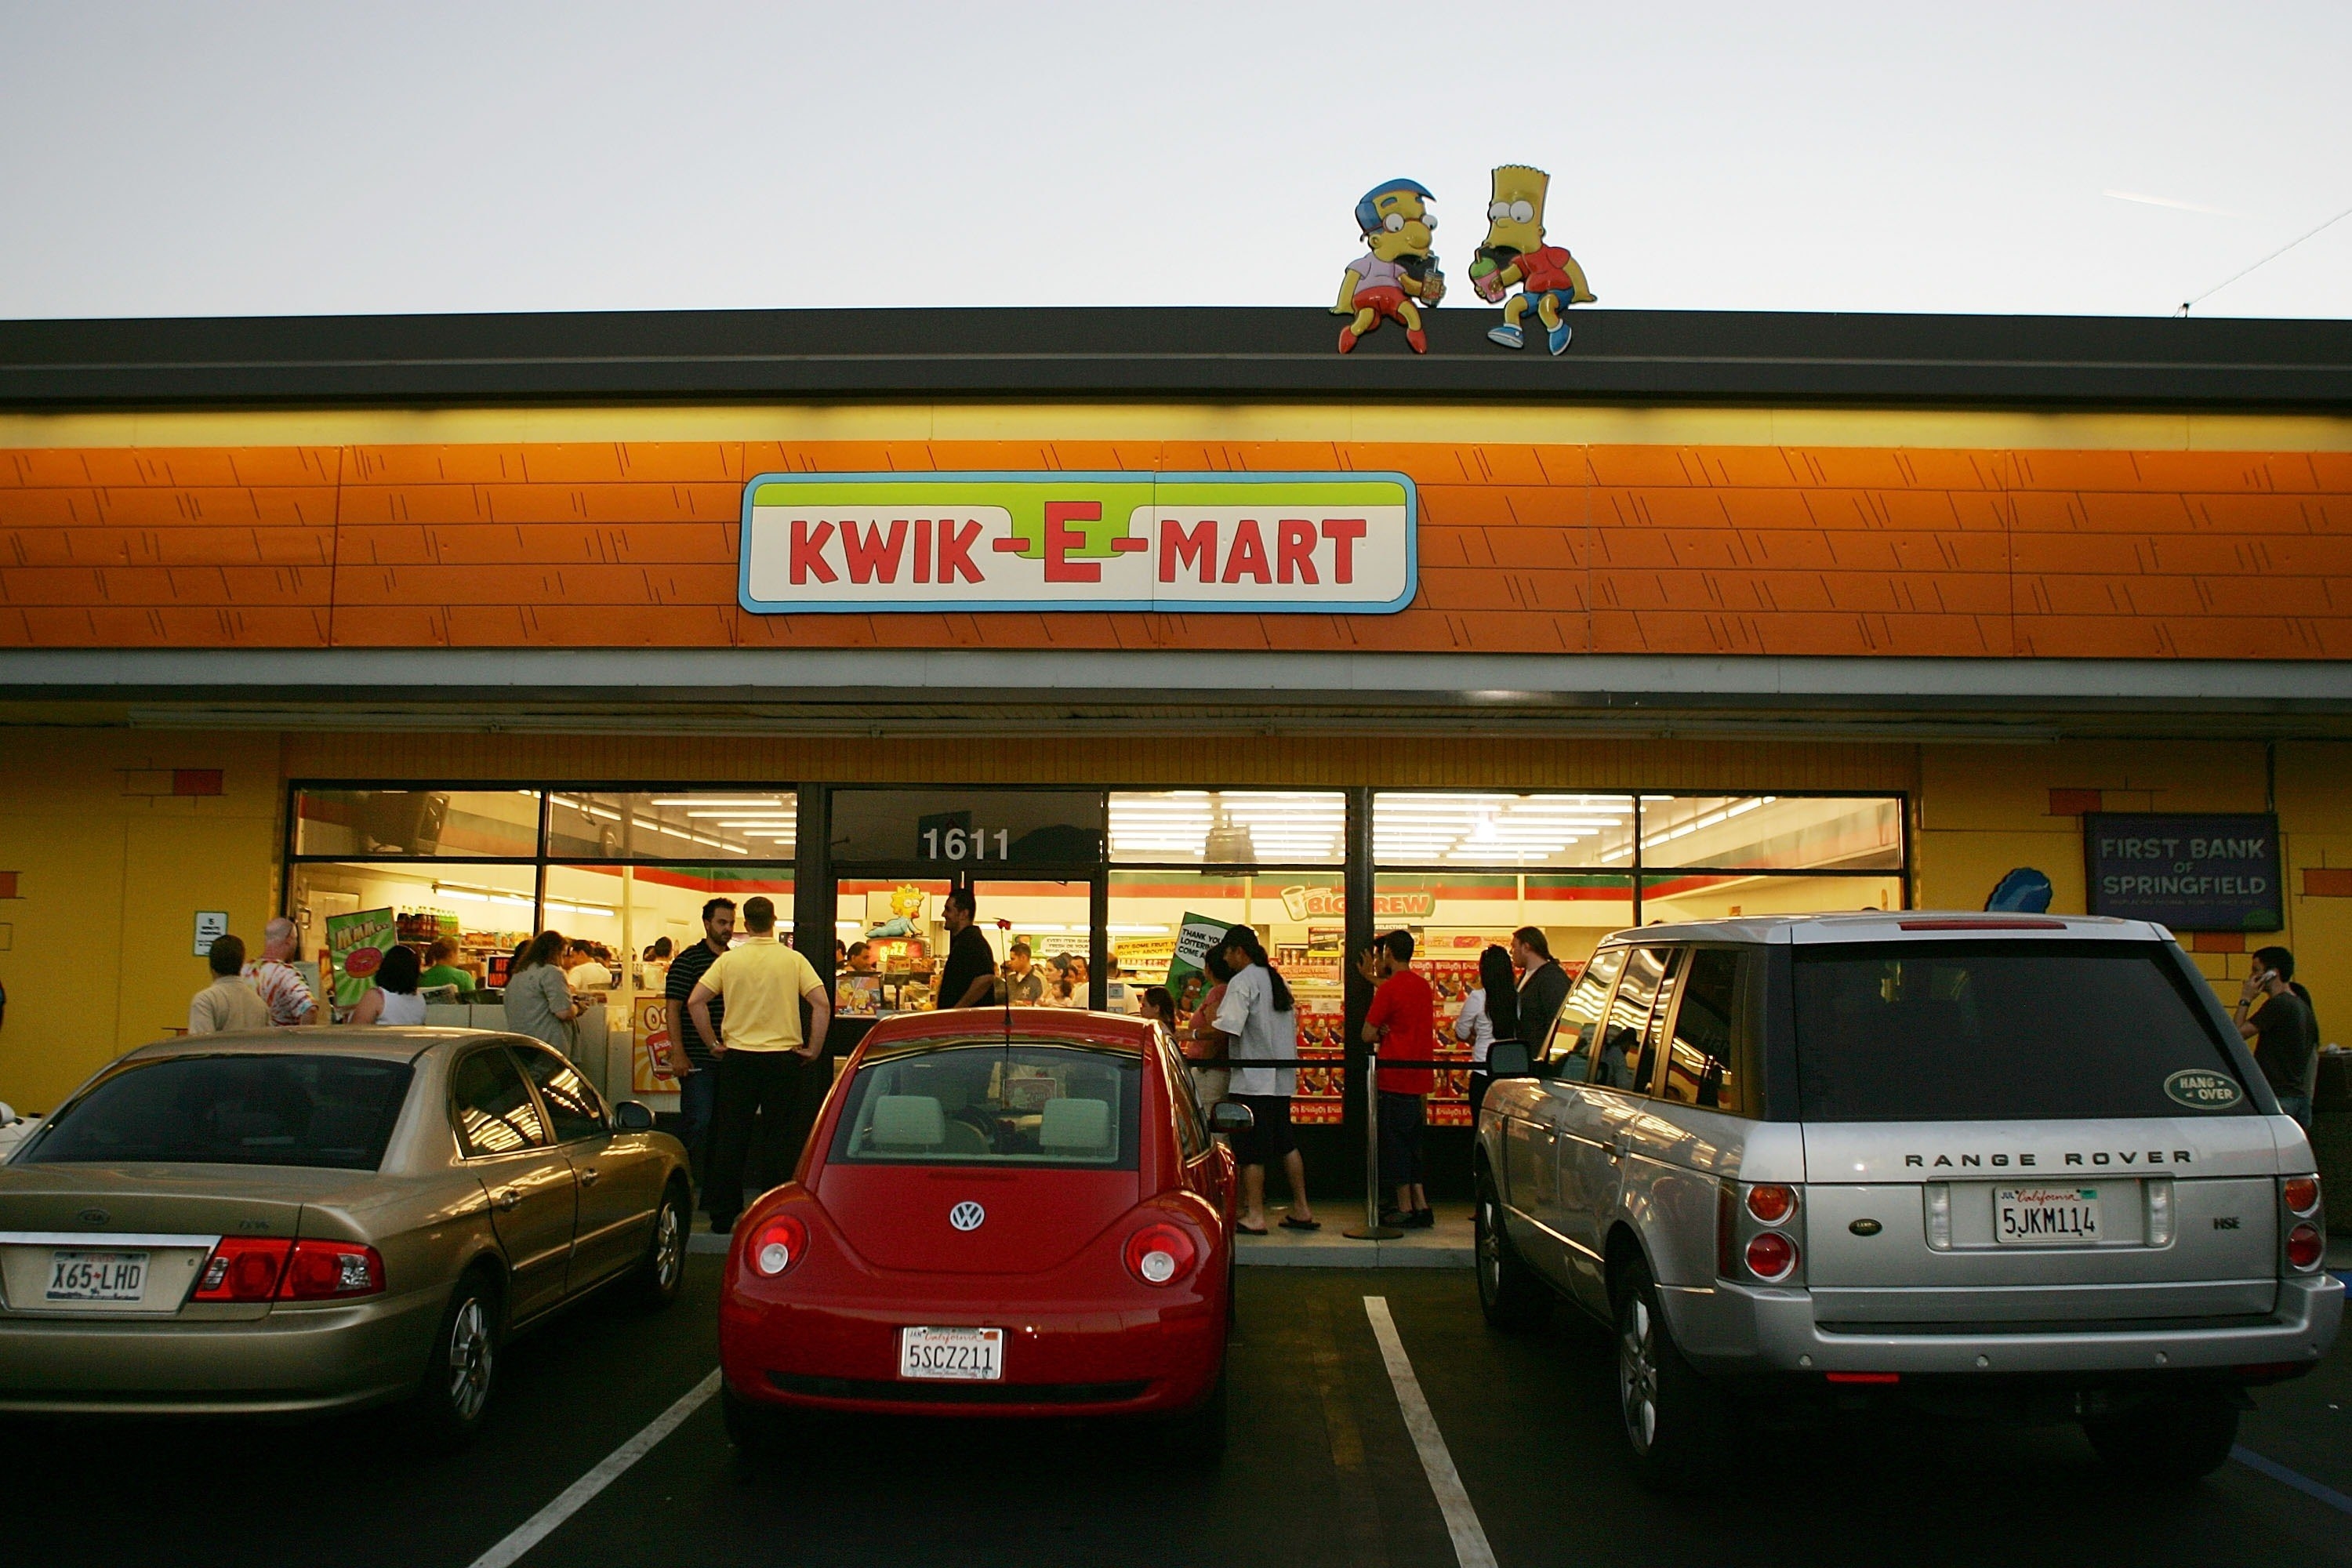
395,999
1257,1011
1490,1012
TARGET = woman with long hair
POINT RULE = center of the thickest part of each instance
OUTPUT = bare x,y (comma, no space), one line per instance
1488,1014
1206,1047
1259,1013
394,998
538,999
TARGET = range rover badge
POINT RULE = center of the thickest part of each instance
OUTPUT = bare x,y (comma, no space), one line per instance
1865,1227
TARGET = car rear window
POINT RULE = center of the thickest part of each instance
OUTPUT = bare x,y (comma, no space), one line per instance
2017,1030
986,1102
331,1111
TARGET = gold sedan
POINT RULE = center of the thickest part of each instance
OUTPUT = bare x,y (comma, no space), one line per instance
315,1219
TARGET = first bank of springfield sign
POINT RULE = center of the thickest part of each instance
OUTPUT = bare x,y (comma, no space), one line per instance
1264,544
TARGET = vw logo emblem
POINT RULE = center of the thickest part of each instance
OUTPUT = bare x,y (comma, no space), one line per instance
94,1216
967,1216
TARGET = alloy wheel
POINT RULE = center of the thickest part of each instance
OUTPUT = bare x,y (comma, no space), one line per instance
1490,1249
1637,1373
670,1246
470,1354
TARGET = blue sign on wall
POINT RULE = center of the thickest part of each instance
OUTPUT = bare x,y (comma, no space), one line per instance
2191,873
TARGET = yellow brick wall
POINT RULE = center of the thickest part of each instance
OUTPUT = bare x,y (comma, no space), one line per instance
99,955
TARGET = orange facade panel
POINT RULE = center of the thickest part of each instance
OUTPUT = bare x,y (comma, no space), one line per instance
1647,548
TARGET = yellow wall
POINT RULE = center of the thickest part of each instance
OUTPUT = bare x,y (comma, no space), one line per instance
101,939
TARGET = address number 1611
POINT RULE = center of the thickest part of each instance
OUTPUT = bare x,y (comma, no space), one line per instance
962,844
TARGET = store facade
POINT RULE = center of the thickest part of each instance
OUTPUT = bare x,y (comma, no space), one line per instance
295,619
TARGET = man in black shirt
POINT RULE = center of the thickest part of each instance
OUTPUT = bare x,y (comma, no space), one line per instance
969,978
1543,986
2280,1032
699,1088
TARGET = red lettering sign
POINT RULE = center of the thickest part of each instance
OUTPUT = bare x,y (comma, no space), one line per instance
1297,552
808,551
1248,553
956,541
1181,547
1343,533
1061,539
872,557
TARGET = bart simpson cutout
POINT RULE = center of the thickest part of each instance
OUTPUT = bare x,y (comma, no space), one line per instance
1398,268
1515,252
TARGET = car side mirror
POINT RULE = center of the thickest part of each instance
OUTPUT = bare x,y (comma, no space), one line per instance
1509,1058
1229,1118
632,1116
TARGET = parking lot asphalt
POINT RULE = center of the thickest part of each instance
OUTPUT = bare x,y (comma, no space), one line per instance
1323,1468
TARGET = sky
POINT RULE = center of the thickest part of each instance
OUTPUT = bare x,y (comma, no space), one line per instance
260,159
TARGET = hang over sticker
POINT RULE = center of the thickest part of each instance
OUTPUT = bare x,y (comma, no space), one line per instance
2201,1090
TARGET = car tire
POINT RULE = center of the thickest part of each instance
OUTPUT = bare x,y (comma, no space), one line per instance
758,1432
1196,1439
461,1372
1510,1294
1673,1420
2167,1444
663,1272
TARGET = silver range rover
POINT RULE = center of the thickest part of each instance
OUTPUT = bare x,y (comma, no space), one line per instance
1973,1163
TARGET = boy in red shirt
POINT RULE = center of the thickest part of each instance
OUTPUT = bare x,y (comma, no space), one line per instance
1402,1023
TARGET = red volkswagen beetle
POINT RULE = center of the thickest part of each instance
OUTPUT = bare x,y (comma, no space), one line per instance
999,1213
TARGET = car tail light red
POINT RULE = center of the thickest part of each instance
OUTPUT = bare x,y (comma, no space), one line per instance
244,1268
1771,1203
332,1270
2305,1245
2302,1195
1160,1254
781,1243
1771,1255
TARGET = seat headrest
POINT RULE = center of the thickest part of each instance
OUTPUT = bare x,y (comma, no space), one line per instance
910,1121
1075,1127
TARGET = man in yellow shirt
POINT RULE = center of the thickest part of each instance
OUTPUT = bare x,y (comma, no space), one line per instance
761,1053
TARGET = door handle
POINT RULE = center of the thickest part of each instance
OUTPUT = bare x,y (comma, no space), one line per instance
507,1200
589,1175
1618,1146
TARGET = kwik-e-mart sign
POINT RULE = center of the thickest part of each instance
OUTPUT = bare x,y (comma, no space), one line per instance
1264,544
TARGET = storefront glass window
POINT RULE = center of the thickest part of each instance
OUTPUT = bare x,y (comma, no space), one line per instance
969,831
1771,833
488,908
588,902
671,825
1706,895
1416,828
437,824
1300,915
1228,827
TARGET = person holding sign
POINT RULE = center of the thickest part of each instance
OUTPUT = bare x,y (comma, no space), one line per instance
1257,1011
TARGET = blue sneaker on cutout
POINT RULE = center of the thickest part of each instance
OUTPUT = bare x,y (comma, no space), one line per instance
1558,337
1507,334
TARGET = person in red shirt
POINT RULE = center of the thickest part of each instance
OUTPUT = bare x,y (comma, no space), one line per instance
1402,1023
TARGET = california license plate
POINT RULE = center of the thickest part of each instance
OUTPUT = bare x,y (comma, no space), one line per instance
957,1355
2045,1216
96,1276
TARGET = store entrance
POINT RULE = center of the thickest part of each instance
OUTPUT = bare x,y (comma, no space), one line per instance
1041,931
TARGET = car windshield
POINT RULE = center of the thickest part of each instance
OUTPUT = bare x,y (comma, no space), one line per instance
330,1111
974,1102
2021,1029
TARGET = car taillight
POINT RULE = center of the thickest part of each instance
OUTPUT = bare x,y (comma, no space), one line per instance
2304,1245
244,1268
2302,1195
328,1270
1771,1203
1771,1255
779,1245
1160,1254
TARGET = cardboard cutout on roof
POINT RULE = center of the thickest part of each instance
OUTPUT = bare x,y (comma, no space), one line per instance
1514,253
1397,272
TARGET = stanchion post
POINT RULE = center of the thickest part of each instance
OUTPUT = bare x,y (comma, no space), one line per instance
1373,1229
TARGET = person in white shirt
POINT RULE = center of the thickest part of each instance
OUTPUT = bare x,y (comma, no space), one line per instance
1257,1011
1488,1014
583,971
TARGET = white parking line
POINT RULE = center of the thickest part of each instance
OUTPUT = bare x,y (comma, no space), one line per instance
1470,1548
576,1496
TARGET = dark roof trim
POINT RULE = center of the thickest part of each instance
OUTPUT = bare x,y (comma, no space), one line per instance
1190,352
